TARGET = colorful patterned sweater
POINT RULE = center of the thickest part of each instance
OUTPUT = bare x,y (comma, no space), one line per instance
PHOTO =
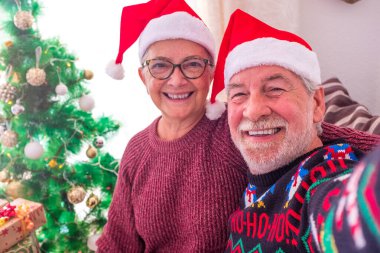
297,207
177,196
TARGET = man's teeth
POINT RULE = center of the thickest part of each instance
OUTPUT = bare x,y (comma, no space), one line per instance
264,132
178,96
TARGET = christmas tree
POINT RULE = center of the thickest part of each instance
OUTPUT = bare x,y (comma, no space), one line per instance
45,123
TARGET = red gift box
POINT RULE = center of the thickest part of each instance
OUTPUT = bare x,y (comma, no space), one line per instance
29,216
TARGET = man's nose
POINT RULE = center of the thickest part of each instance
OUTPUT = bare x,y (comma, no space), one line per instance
256,107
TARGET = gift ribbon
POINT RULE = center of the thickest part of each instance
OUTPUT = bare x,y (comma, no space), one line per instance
6,213
22,212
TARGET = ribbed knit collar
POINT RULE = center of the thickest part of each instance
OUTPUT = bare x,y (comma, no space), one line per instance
186,142
268,179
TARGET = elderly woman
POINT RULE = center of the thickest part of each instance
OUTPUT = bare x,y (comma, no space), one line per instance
181,177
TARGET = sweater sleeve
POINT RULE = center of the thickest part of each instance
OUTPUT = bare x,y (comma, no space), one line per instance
119,234
344,211
358,139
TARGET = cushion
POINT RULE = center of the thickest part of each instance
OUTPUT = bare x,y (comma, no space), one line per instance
342,110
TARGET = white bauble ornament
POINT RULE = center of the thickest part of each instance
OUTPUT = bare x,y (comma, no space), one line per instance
99,142
23,20
9,138
86,103
91,242
33,150
17,109
61,89
36,76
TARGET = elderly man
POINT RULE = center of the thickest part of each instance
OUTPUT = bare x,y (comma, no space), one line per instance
296,197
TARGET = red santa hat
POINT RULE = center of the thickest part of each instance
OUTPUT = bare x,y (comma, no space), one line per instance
248,42
159,20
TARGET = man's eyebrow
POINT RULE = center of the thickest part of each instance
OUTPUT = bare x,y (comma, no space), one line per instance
232,86
275,77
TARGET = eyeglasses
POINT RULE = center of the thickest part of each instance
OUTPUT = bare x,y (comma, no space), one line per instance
191,68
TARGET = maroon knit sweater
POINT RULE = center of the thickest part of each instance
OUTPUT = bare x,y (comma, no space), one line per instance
176,196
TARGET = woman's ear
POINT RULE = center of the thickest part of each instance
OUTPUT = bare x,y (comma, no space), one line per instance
319,104
141,75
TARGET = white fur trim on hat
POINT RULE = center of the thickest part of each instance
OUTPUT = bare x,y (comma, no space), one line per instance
177,25
270,51
116,71
215,110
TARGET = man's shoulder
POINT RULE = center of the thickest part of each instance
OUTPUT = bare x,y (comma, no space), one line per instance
331,159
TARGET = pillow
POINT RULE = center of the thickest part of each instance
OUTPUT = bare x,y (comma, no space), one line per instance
342,110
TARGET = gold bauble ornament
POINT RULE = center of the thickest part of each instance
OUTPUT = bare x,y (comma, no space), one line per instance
76,195
88,74
91,152
92,201
36,76
15,189
9,138
23,20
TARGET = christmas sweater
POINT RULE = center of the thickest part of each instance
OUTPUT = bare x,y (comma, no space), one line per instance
293,208
175,196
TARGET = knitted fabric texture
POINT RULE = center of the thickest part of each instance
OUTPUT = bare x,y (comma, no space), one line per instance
285,210
176,196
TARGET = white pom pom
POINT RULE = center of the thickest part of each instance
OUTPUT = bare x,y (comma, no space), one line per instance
116,71
33,150
86,103
215,110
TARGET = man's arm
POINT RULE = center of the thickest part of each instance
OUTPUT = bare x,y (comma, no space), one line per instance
347,217
361,140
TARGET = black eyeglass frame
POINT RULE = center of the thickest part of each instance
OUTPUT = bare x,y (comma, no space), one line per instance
179,65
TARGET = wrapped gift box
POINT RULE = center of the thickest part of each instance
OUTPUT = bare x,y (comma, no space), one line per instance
29,244
30,216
